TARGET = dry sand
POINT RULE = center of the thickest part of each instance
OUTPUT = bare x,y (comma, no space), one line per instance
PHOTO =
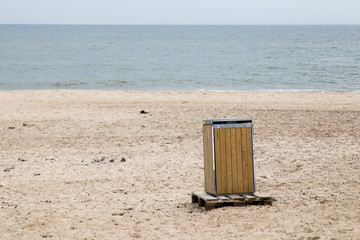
54,183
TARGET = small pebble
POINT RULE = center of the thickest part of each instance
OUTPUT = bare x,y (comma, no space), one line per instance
123,160
37,174
11,127
9,168
118,214
47,236
143,112
99,160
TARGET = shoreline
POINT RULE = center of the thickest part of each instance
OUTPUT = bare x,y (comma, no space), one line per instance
259,100
199,90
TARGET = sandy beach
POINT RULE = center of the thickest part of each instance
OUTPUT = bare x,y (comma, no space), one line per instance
78,164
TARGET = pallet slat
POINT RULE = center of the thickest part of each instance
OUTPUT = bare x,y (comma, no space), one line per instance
204,196
249,198
222,198
262,195
237,197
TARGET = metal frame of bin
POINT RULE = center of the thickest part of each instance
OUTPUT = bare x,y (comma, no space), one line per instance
226,124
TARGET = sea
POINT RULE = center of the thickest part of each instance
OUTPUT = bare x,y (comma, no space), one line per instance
321,58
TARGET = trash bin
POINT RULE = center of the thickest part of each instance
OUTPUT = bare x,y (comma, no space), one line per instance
228,156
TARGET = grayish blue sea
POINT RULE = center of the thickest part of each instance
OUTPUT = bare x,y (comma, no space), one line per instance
220,58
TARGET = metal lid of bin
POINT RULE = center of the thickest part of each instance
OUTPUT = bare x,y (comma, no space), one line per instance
227,121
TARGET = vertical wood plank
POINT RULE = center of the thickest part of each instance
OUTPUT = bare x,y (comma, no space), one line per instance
234,161
250,159
206,155
239,161
244,160
229,173
208,159
223,162
218,166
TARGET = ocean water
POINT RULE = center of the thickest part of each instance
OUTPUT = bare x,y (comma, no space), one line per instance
220,58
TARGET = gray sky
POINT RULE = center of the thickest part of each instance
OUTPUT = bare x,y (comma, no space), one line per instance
180,11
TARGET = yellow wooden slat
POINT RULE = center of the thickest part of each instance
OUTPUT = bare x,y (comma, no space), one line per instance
218,165
223,162
244,160
239,161
250,159
234,161
229,173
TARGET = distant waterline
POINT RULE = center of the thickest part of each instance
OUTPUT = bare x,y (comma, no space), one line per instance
211,58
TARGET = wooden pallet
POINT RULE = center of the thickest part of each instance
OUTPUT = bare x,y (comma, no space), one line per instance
210,202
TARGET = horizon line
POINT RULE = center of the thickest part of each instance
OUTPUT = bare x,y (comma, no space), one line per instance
188,24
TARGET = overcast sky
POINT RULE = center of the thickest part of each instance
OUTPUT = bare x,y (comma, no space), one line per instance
179,11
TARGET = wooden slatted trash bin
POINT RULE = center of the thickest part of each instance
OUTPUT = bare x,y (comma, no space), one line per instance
228,156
